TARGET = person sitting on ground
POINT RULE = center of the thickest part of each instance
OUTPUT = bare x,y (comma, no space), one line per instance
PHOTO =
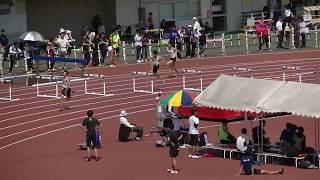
133,127
224,135
247,163
256,133
242,141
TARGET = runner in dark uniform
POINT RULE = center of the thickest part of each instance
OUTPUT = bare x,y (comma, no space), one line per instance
91,126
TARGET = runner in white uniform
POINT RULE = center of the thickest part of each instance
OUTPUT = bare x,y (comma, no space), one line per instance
172,53
66,90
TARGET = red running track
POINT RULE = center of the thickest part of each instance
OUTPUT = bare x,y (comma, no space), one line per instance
39,142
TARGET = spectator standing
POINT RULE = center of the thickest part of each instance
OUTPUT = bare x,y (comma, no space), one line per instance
163,25
179,41
69,38
144,51
303,31
295,24
138,43
173,139
280,32
2,54
260,34
194,134
256,133
29,52
91,125
62,44
86,46
187,40
150,21
202,43
95,50
51,53
3,38
103,46
14,54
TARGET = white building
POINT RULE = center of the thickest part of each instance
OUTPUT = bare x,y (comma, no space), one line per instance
48,16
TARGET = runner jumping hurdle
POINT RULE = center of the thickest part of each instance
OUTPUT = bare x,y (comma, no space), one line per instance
151,91
191,71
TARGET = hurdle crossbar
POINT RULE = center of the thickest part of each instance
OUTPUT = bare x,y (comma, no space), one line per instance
10,98
56,95
151,91
104,93
237,69
191,71
301,74
286,68
10,79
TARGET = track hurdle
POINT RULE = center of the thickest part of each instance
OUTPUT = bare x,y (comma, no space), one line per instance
191,71
10,79
151,91
92,76
292,68
56,95
241,69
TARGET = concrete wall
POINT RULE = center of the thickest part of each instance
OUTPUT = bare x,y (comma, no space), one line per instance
47,16
15,23
127,12
233,15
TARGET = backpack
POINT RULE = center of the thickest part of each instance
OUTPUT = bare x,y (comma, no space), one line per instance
304,164
203,139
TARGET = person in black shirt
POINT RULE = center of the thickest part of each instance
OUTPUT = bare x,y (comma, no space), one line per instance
86,46
95,50
247,163
173,140
90,125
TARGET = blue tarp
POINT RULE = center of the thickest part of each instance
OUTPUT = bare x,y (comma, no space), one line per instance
60,59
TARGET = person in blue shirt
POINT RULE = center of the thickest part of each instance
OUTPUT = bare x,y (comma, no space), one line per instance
247,166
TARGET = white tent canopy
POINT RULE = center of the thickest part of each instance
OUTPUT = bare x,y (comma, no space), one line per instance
259,95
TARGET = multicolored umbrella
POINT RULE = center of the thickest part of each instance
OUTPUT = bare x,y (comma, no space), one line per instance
178,98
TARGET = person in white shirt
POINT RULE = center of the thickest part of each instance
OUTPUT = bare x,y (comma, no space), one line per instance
14,53
196,26
194,133
133,127
138,43
62,44
66,90
279,27
242,141
303,31
172,53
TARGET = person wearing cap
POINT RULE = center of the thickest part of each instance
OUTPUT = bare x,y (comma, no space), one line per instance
91,125
132,127
62,43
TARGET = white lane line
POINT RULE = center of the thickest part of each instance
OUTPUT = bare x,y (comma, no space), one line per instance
73,112
60,122
64,128
137,83
224,65
92,99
